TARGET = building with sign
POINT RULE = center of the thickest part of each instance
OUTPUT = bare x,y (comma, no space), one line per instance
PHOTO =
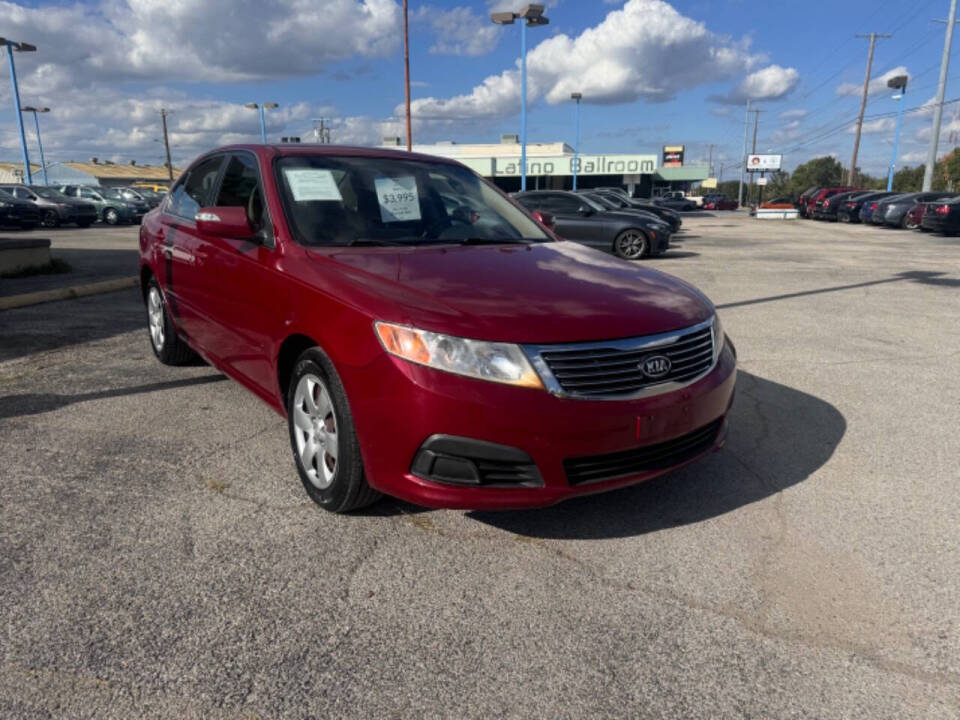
550,166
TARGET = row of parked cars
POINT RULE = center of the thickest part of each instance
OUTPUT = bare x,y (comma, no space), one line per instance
937,211
29,206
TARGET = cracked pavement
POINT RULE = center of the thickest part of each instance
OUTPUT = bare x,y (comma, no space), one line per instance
159,558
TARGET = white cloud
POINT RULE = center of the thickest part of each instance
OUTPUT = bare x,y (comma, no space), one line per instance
459,31
770,83
877,85
646,50
797,114
880,125
193,40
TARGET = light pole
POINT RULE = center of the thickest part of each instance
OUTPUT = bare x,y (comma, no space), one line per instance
897,83
263,126
531,14
36,123
576,137
19,47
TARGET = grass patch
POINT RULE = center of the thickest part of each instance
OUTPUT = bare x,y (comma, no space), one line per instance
55,267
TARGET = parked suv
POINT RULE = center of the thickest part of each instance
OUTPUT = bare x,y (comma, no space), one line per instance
55,208
112,207
452,359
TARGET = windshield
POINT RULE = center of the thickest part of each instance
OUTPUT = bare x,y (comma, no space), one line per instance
386,201
48,193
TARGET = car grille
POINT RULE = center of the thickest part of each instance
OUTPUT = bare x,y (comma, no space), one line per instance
614,369
596,468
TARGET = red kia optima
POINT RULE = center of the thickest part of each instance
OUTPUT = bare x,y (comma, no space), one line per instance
424,336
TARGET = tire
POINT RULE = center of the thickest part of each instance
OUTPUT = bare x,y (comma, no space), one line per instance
319,418
843,217
631,244
907,225
111,216
169,347
50,219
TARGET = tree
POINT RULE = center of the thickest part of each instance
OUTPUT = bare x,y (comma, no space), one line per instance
946,173
908,179
819,172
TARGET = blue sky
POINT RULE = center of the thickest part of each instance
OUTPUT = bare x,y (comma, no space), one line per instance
652,73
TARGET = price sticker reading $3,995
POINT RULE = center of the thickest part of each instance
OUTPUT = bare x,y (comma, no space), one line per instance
398,198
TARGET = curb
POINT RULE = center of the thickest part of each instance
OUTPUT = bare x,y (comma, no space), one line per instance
77,291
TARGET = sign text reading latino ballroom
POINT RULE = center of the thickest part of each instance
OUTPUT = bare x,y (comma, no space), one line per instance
563,165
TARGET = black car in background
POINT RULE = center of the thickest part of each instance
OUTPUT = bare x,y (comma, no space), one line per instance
849,209
893,211
616,202
624,201
942,217
55,208
577,217
827,208
18,213
802,200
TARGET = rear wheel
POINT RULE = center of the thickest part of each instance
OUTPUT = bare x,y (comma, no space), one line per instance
322,436
631,244
908,224
169,348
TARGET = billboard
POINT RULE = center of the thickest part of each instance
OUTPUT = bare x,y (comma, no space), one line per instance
763,163
673,156
615,164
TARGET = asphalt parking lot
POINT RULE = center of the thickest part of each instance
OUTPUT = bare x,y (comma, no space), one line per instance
159,558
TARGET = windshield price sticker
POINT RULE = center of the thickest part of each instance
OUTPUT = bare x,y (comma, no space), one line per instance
308,184
399,201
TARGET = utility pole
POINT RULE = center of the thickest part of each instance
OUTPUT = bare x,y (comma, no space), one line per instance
166,142
406,73
743,157
710,159
321,131
756,122
938,106
852,174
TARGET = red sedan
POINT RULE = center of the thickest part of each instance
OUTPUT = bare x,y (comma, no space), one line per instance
719,202
423,335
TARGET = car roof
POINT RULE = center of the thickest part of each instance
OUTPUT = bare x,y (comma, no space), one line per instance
296,149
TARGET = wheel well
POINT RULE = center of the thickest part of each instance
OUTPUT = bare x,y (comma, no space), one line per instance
145,275
290,350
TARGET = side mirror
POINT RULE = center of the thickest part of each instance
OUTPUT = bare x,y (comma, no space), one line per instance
225,222
585,210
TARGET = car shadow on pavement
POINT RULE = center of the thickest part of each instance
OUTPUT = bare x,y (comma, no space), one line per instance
778,437
35,403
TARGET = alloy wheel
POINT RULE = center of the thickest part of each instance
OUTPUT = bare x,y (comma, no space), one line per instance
631,244
315,430
50,219
155,318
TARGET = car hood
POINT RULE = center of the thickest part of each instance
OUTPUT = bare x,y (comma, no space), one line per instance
537,293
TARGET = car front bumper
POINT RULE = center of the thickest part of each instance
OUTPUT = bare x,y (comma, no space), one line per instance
398,407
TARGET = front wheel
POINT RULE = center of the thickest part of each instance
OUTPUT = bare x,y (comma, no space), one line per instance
631,244
908,224
322,436
51,219
169,348
111,216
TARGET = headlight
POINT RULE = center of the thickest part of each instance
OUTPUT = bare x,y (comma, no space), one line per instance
5,204
718,336
498,362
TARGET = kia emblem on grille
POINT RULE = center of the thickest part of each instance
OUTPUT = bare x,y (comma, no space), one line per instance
655,366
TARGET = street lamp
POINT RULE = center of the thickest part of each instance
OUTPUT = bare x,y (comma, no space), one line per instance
532,14
896,83
576,138
35,110
263,126
19,47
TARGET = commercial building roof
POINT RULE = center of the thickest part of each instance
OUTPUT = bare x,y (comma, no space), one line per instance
90,172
